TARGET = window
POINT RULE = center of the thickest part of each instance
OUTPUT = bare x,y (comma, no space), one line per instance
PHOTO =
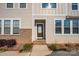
53,5
66,26
9,5
7,27
15,26
71,26
58,28
22,5
45,5
0,26
74,6
75,26
48,5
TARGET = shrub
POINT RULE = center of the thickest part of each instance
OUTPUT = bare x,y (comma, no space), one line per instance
57,47
2,42
11,42
70,47
26,48
52,47
3,49
77,46
8,43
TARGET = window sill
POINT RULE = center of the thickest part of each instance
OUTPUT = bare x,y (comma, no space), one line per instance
48,8
10,34
66,34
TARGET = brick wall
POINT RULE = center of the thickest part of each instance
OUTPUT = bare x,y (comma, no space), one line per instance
25,36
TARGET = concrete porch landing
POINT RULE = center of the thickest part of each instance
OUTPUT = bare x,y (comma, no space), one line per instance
40,50
39,42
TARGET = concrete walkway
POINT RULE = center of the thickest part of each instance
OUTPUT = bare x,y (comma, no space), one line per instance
14,53
37,50
40,50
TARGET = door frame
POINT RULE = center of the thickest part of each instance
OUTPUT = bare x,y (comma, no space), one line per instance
43,31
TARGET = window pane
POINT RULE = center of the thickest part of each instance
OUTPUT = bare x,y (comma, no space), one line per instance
44,5
16,23
16,27
66,26
7,27
22,5
75,23
66,30
58,23
6,30
53,5
58,28
15,30
74,6
66,23
75,26
75,30
0,26
9,5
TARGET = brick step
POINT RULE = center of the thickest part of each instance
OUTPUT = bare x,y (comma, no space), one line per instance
39,42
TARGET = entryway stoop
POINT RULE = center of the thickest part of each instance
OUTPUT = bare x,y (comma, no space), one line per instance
39,42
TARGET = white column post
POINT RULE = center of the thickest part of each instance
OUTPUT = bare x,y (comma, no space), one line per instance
62,27
2,30
11,27
71,27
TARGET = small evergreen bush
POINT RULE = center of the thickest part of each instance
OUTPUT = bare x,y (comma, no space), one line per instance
26,48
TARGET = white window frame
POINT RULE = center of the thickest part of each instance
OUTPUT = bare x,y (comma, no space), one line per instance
71,27
77,5
9,8
11,26
22,8
61,26
49,6
64,27
72,30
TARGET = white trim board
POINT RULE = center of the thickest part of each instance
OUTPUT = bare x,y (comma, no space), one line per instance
49,14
